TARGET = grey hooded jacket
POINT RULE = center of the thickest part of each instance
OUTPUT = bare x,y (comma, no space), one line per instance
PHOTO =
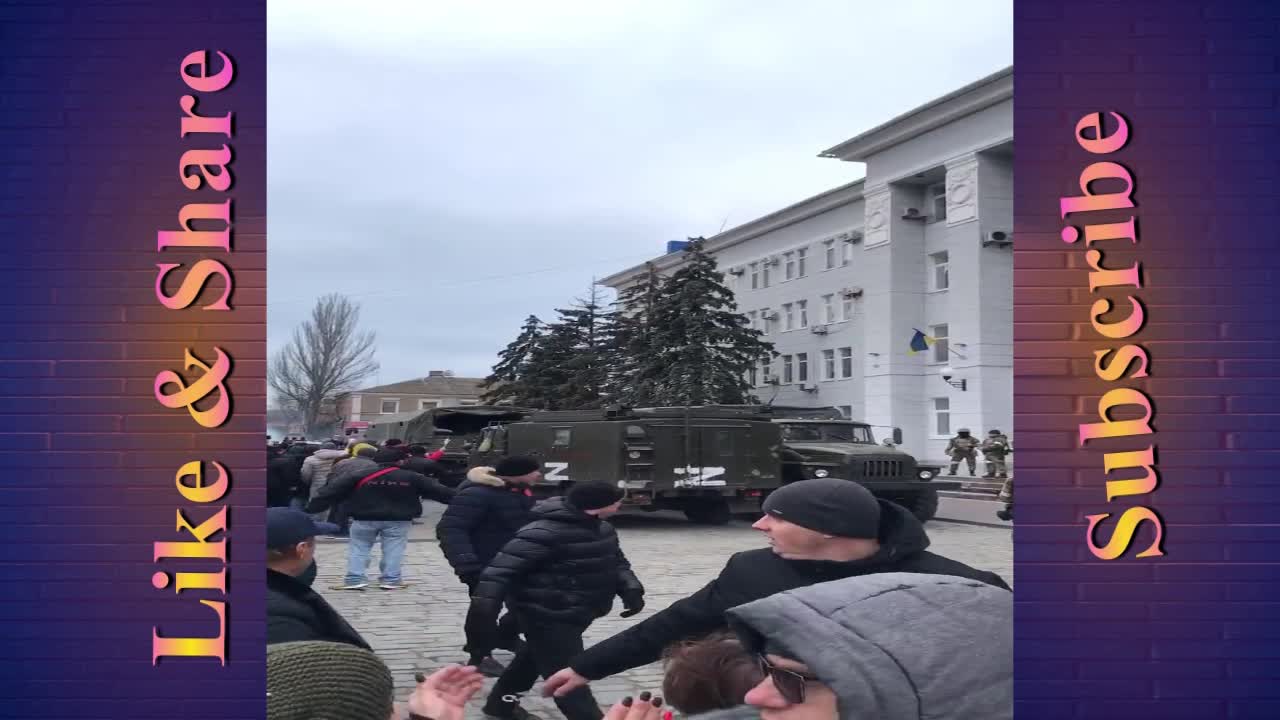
895,646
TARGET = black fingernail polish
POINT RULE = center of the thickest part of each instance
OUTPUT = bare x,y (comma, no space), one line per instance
626,701
419,677
657,702
644,696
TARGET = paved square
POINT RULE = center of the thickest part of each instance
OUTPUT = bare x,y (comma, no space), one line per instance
420,628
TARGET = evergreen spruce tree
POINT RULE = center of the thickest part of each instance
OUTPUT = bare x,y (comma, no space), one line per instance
632,365
585,344
699,347
509,381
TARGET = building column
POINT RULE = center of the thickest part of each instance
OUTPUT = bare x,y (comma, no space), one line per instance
893,304
979,200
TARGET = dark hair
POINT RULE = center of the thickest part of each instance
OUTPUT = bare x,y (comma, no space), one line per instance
714,673
393,442
417,450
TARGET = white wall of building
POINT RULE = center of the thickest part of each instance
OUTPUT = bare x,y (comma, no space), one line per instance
892,264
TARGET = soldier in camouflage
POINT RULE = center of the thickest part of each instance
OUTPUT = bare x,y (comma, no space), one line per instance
994,450
963,447
1006,497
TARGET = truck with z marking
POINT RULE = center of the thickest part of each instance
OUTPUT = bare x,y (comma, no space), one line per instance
709,462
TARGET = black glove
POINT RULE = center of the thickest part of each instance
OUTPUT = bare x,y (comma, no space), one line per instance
633,602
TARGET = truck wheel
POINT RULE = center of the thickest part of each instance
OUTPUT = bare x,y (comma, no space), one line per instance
923,504
715,512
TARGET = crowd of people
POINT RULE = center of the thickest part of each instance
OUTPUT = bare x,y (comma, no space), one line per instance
846,614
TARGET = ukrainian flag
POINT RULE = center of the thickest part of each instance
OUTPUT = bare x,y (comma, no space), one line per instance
920,342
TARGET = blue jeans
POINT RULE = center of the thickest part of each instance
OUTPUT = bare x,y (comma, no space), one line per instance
394,535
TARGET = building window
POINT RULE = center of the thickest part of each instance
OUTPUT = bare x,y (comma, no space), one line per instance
755,276
942,417
829,251
937,198
766,372
940,345
390,406
427,404
764,277
787,377
828,309
752,319
846,253
828,364
787,317
802,308
846,307
801,270
846,411
846,362
563,437
802,367
789,266
764,320
939,277
751,375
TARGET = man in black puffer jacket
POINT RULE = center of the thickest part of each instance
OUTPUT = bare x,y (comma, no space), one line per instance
819,530
558,574
485,514
382,505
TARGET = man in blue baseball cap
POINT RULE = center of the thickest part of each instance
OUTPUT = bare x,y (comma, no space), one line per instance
295,612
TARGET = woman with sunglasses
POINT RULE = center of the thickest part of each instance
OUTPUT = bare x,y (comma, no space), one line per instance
894,646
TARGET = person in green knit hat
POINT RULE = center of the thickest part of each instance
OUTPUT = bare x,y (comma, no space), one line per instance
335,681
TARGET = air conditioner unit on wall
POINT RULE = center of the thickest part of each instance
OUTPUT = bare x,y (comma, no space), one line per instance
809,387
819,330
997,238
854,238
771,316
851,292
737,271
772,260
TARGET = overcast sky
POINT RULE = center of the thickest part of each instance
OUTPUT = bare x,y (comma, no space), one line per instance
455,166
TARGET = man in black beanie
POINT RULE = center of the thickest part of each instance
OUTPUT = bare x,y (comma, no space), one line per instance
489,507
819,530
558,574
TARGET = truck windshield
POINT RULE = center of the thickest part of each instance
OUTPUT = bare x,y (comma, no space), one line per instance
821,432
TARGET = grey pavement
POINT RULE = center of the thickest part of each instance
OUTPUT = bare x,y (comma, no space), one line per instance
420,627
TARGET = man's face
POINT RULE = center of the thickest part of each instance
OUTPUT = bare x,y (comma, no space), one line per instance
789,540
776,696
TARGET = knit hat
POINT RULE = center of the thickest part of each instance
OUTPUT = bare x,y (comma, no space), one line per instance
388,457
327,681
516,465
827,505
593,495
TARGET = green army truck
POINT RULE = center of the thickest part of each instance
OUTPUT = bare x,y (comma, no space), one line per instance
707,462
820,442
710,462
452,429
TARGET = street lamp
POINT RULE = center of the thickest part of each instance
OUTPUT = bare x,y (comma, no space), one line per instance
947,372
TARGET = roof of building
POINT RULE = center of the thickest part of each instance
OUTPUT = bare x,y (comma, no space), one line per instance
789,215
994,88
433,385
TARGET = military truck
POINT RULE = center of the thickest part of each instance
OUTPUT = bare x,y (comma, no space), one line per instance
452,429
820,442
710,462
707,462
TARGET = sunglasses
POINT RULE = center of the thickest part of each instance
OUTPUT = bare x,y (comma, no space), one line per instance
791,685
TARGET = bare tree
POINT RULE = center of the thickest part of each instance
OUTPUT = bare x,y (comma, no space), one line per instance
328,355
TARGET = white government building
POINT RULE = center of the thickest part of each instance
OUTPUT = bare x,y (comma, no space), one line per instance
840,281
